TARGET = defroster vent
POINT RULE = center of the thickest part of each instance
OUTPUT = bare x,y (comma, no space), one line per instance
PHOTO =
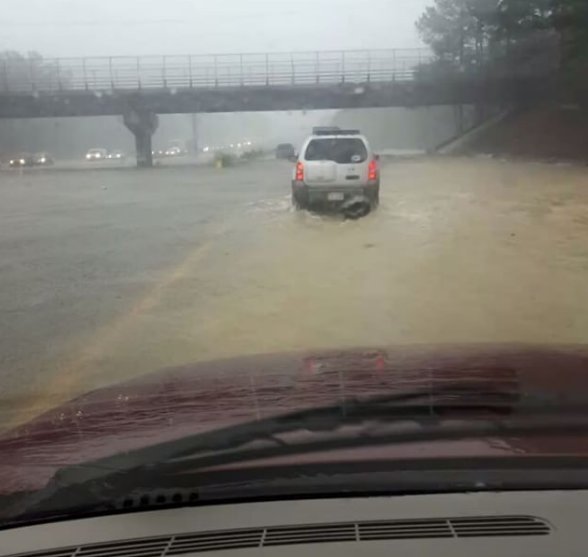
185,543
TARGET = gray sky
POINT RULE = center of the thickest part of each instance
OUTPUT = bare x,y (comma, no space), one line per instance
142,27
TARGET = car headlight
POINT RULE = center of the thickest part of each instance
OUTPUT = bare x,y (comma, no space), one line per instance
42,160
22,161
12,162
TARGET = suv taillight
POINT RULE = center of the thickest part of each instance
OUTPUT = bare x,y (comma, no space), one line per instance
299,172
373,171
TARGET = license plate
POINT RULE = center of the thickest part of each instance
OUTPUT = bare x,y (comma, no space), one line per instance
336,196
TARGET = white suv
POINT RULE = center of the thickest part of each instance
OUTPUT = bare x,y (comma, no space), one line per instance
335,166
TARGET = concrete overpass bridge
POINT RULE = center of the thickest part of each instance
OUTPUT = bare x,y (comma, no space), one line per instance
140,88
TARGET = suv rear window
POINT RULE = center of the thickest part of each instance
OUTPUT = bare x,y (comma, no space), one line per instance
342,150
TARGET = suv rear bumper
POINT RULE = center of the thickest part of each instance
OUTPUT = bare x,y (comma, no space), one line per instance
310,195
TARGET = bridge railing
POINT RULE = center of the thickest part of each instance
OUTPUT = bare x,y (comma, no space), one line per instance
210,71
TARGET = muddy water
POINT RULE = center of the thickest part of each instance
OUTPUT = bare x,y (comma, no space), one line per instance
459,251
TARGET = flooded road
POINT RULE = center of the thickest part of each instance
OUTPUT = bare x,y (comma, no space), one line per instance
108,275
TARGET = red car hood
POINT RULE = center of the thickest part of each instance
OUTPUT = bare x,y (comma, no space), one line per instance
177,402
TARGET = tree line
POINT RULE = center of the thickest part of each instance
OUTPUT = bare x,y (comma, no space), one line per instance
25,72
551,34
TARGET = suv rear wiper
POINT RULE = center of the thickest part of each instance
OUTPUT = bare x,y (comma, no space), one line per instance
428,417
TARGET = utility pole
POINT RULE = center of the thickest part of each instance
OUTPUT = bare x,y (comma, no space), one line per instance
195,133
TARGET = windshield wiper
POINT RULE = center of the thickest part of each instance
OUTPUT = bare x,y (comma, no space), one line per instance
418,406
410,417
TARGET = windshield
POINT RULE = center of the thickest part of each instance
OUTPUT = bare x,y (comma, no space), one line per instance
339,150
215,216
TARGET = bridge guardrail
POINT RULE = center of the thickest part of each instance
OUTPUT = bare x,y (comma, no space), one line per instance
108,74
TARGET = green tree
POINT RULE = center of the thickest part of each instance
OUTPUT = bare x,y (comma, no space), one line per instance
466,30
19,72
569,18
542,34
459,31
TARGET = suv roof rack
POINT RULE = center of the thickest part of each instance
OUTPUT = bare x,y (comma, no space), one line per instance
333,131
317,130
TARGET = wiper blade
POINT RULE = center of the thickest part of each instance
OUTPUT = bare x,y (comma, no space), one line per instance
418,406
429,417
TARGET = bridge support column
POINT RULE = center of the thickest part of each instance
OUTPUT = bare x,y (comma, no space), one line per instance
142,124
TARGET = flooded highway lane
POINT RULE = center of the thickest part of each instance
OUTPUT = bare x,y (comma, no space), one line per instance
107,275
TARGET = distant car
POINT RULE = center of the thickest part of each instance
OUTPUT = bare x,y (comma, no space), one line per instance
96,155
116,155
22,160
285,151
336,166
43,159
158,154
173,152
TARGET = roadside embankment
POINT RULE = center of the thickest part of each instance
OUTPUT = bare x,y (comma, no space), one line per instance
541,133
